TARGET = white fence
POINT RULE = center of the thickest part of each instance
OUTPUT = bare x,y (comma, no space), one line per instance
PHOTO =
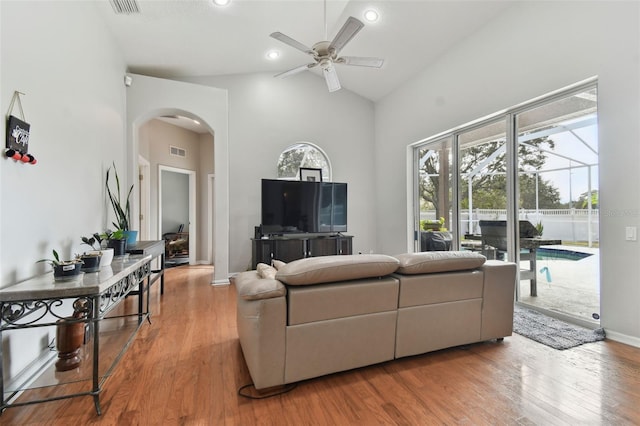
563,224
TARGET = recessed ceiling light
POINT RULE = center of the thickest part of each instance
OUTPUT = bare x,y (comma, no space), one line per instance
273,54
371,15
221,2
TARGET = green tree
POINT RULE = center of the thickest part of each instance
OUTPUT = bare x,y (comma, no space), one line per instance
583,202
489,180
301,155
548,196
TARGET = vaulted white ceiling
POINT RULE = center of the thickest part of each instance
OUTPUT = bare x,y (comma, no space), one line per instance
187,38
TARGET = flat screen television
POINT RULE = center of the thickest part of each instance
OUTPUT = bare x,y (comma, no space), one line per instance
302,206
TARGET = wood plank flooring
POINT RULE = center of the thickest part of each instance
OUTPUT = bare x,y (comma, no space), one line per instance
186,367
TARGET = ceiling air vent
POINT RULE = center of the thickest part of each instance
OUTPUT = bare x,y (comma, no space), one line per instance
125,6
177,152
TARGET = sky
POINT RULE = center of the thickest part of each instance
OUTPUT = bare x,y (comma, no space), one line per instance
572,183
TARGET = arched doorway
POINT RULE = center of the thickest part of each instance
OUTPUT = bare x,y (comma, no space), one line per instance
148,97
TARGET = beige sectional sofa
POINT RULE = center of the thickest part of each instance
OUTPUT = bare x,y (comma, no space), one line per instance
322,315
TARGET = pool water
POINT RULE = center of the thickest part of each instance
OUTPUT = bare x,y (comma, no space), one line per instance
560,254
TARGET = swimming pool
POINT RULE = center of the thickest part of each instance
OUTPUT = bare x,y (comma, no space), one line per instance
560,254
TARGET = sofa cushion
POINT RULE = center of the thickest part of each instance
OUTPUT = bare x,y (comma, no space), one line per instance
429,289
266,271
278,264
439,261
250,286
344,299
326,269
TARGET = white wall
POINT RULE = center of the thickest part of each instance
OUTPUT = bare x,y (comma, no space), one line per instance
75,102
267,115
532,49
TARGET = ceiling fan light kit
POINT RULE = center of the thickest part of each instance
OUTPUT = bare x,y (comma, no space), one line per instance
326,53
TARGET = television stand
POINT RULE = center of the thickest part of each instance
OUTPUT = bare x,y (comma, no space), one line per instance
298,246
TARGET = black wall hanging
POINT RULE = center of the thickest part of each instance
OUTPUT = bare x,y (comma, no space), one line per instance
17,146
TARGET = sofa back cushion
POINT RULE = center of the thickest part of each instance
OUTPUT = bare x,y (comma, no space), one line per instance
346,299
439,261
428,289
327,269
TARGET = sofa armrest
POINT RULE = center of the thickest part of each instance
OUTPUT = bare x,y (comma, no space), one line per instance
498,299
261,326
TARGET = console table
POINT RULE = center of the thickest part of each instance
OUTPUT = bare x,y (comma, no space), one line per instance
155,248
41,301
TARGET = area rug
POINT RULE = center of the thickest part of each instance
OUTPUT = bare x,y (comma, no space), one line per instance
551,331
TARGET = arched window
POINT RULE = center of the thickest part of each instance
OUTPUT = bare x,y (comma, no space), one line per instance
303,154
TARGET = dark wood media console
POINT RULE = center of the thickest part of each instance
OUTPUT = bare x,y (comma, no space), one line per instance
288,248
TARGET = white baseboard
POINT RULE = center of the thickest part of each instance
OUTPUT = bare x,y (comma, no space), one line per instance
30,373
622,338
222,282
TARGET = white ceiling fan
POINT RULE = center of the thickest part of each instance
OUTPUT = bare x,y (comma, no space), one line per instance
325,53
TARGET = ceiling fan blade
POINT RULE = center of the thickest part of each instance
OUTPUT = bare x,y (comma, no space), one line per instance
291,42
331,77
346,33
360,61
296,70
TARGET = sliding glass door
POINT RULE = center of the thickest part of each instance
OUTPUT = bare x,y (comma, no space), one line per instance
482,182
521,186
558,194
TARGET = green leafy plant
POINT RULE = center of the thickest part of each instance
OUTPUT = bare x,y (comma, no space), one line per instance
57,262
118,234
432,225
539,228
95,241
121,206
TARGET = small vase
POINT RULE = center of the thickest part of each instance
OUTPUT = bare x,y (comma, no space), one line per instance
69,338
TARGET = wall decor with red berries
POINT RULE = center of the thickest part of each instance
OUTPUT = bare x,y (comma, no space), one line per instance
18,134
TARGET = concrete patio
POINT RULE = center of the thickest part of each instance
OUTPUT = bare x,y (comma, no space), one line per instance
573,288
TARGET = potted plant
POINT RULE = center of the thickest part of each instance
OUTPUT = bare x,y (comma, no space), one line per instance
433,225
64,269
90,261
95,242
116,240
121,206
